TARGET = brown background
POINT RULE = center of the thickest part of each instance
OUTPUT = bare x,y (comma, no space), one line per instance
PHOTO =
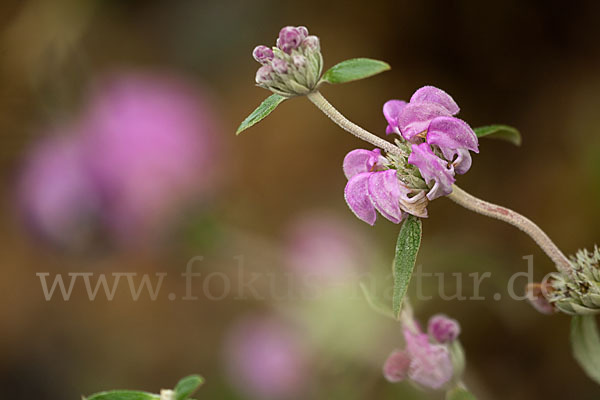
531,65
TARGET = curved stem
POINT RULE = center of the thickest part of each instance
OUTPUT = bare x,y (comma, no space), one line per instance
472,203
321,102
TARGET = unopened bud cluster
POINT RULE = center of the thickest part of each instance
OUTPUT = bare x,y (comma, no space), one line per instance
579,294
293,67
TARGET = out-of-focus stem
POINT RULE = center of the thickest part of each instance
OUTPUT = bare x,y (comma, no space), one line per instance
321,102
406,317
472,203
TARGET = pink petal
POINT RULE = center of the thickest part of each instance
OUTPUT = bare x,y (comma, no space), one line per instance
452,133
357,196
433,169
416,117
391,111
384,191
430,364
432,94
361,160
396,366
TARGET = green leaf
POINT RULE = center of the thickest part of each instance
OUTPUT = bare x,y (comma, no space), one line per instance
459,393
187,386
354,69
503,132
407,248
585,342
261,112
123,395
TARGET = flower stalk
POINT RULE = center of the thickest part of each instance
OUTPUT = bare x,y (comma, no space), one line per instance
479,206
321,102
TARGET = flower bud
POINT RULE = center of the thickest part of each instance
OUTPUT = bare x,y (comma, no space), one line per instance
311,43
262,54
443,329
279,66
396,366
290,38
302,31
263,75
299,61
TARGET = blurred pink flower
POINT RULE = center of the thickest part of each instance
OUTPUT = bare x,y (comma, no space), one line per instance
324,246
265,358
151,148
55,193
143,148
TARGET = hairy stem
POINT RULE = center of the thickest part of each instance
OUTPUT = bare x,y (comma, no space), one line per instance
321,102
472,203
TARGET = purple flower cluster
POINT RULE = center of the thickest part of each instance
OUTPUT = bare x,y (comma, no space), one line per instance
434,146
426,358
294,66
372,187
440,143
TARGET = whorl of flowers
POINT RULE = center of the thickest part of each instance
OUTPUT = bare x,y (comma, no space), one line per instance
434,146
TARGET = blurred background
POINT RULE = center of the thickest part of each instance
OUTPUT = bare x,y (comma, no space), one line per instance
118,155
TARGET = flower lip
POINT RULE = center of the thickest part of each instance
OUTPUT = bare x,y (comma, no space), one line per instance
356,194
452,133
416,117
391,111
431,94
384,191
361,160
434,169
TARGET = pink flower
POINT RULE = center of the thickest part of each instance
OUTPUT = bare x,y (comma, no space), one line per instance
372,187
325,247
426,359
151,148
265,358
430,364
143,149
55,194
428,122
